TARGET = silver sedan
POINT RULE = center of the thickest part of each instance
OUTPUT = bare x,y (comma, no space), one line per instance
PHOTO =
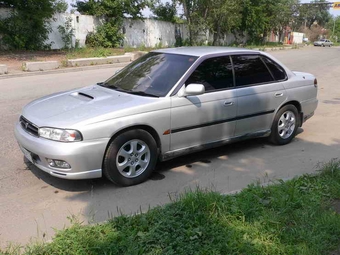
167,103
323,43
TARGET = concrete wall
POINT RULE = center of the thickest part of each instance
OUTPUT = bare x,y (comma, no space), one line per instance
151,32
148,32
82,25
228,39
5,13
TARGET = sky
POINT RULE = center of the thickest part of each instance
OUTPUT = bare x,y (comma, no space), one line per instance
147,13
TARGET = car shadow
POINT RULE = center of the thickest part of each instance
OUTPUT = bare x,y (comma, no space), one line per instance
64,184
205,156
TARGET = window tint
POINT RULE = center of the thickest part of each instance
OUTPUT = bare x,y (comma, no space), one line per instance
277,71
214,74
249,69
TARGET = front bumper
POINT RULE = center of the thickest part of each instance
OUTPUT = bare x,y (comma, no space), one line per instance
85,157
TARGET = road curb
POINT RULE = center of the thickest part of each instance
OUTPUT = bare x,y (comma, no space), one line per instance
99,61
3,69
63,70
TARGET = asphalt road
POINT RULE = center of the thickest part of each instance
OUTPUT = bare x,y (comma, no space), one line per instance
32,203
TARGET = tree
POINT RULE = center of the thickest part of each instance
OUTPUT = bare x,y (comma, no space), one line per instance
333,26
195,13
113,12
165,12
223,17
256,18
285,14
28,25
60,6
259,17
308,14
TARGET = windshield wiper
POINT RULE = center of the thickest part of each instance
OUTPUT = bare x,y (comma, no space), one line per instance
113,87
140,93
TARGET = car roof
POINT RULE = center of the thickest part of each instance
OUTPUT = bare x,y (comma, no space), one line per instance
202,51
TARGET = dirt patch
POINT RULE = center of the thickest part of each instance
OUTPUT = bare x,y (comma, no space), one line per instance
14,59
336,205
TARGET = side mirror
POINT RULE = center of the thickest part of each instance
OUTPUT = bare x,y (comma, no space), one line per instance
192,89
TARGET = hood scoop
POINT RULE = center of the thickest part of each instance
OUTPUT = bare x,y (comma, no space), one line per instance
82,96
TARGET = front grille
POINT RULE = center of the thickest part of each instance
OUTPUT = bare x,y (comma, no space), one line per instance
28,126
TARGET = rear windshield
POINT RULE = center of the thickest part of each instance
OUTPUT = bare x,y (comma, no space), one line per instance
153,74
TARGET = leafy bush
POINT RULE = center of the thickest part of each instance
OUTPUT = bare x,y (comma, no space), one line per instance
20,32
108,35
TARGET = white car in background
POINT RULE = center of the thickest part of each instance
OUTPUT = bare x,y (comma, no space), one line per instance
323,43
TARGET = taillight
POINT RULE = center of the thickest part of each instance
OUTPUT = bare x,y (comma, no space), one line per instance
315,83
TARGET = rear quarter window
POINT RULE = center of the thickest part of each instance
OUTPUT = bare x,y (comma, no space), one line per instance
277,70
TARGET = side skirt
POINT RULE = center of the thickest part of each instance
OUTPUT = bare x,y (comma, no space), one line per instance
173,154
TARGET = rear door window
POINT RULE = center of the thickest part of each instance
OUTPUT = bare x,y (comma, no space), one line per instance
250,70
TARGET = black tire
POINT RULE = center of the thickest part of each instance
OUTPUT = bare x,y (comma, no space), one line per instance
110,169
275,136
322,45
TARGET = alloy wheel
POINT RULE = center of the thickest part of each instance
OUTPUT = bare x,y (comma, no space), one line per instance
286,125
133,158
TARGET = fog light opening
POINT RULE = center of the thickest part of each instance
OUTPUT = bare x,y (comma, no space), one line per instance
56,163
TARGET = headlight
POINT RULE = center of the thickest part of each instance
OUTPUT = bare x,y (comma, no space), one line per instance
62,135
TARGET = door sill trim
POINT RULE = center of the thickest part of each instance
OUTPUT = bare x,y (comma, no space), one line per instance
173,154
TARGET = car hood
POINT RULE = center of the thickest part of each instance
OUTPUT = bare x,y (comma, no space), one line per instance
85,106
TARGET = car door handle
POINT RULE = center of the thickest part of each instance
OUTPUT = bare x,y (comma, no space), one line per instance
226,103
278,94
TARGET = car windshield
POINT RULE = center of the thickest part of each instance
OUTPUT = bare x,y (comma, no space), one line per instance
151,75
322,40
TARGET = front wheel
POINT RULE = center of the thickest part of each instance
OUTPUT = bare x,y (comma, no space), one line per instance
285,125
130,158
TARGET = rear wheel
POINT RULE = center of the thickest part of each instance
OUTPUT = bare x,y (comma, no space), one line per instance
285,125
130,158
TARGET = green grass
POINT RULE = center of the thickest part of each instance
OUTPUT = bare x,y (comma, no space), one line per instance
293,217
93,52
